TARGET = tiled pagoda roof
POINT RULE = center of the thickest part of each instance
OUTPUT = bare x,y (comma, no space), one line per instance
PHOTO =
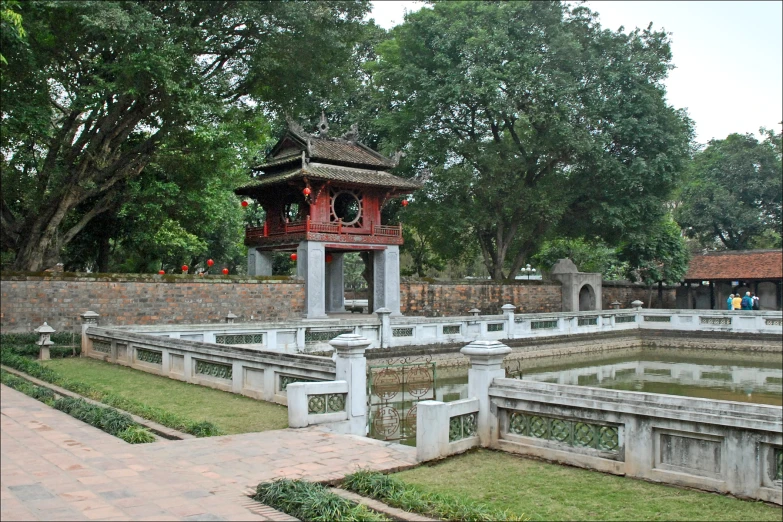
299,154
318,171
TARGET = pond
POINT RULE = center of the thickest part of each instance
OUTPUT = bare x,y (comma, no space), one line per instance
724,375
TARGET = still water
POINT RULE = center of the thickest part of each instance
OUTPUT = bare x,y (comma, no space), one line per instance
727,376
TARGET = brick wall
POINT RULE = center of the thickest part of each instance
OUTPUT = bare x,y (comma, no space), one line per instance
422,298
29,300
625,293
124,299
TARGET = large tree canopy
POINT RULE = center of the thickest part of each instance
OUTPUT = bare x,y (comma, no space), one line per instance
531,120
731,195
99,88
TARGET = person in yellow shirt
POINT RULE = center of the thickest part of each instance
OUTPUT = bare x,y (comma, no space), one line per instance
737,302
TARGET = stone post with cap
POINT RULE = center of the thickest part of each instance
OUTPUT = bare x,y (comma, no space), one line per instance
44,341
486,364
89,318
508,313
351,366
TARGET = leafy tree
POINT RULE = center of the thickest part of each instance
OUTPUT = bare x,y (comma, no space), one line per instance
532,121
10,22
732,193
101,88
589,255
658,255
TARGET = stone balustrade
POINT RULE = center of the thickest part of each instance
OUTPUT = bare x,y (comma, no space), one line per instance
260,374
384,331
721,446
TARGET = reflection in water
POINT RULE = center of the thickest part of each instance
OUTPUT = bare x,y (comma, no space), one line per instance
727,376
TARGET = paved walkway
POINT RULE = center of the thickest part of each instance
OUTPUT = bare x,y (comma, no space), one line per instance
54,467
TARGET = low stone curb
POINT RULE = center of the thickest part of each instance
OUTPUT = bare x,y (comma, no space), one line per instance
380,507
159,430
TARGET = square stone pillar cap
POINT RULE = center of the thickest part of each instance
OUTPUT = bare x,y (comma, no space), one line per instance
482,349
350,342
379,311
89,314
44,329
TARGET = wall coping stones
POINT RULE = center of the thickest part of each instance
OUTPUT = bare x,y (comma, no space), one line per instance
146,278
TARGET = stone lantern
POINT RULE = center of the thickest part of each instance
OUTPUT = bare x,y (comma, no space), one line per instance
44,331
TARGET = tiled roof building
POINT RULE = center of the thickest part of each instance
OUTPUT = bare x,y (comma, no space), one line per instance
712,277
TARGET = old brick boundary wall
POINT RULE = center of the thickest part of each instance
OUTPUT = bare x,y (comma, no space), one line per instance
434,298
625,293
125,299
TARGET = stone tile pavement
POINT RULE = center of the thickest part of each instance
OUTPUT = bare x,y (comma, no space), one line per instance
54,467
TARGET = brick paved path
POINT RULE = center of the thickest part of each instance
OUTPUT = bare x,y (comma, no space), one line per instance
54,467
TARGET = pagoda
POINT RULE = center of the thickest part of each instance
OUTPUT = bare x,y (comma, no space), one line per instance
322,197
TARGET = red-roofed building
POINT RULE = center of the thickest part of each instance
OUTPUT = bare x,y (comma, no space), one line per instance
712,277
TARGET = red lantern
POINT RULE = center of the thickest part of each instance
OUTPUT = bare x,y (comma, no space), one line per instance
306,191
244,203
293,257
210,262
161,272
184,268
404,202
329,258
225,271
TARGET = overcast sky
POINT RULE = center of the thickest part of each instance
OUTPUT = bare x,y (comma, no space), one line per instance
728,57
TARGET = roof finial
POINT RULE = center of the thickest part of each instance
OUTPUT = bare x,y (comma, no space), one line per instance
323,126
353,134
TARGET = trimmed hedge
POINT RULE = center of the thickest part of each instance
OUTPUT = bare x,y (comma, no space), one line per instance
397,493
37,370
309,501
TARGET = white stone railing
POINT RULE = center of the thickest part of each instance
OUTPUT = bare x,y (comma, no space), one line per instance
317,403
256,373
722,446
384,331
446,428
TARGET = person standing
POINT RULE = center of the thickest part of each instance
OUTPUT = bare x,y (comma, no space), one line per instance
755,299
747,302
729,303
736,302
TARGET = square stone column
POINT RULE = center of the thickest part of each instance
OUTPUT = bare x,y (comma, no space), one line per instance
351,366
335,284
486,363
386,279
259,263
310,266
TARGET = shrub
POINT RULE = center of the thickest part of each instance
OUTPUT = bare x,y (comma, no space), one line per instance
404,496
115,422
308,501
202,429
136,434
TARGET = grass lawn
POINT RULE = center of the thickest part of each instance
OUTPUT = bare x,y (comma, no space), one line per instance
543,491
230,412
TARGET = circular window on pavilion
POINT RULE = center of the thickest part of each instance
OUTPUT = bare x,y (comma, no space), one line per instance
347,207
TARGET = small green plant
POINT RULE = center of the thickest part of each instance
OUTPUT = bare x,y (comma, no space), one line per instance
136,434
308,501
202,429
396,493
